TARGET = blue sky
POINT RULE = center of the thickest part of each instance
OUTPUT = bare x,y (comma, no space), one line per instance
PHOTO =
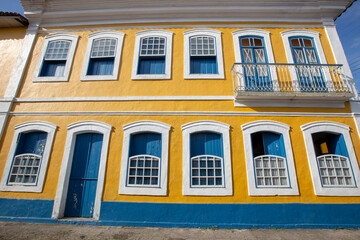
348,26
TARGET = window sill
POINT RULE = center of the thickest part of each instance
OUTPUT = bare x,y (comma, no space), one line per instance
50,79
99,78
150,77
204,76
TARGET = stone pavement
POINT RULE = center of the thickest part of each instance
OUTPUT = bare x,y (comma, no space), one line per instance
39,231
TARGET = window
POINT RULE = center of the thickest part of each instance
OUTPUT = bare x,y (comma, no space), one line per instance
304,47
28,157
56,58
206,159
253,49
102,57
333,165
203,54
152,55
144,163
269,159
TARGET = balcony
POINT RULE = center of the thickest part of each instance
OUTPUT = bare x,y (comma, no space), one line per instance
291,81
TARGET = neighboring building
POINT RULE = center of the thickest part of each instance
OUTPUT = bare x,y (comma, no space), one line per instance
229,114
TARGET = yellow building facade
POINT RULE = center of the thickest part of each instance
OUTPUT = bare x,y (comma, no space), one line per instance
180,121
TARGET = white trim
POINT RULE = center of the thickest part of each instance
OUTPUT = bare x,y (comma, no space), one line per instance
134,98
339,55
338,128
268,47
211,126
318,47
168,54
175,25
219,54
119,36
294,103
279,128
138,127
63,183
69,60
47,127
182,113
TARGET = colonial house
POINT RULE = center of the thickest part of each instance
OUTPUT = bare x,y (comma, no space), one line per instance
208,113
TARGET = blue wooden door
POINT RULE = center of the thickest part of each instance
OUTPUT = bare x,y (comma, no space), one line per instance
273,144
84,175
309,72
256,70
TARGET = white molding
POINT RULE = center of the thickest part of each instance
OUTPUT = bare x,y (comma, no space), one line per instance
294,103
268,48
219,53
339,55
182,113
175,25
134,98
138,127
63,183
119,36
168,54
212,126
21,62
47,127
279,128
337,128
70,56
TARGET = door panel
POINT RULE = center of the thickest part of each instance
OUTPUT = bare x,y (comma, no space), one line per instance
84,173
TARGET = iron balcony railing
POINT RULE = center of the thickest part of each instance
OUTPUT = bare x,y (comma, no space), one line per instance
291,80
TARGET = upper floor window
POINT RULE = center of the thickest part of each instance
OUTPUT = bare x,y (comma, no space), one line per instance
56,58
333,165
206,159
27,161
152,55
144,163
253,49
203,54
303,50
269,159
102,57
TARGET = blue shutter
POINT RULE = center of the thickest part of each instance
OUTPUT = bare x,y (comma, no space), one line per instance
145,143
101,66
340,147
206,143
151,65
32,142
203,65
273,144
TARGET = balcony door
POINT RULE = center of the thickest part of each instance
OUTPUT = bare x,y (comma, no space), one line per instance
256,70
309,72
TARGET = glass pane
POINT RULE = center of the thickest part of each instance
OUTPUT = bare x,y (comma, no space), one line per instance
295,42
307,42
258,42
245,42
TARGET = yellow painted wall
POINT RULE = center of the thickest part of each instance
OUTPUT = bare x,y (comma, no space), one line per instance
10,44
176,86
175,158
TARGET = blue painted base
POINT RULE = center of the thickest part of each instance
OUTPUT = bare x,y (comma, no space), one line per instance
291,215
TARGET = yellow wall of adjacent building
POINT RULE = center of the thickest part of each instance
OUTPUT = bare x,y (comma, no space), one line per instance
10,44
124,86
175,158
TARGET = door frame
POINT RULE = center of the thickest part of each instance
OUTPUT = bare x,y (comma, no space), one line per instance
63,184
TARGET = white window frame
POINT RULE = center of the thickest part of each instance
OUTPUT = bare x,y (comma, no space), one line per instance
318,47
27,127
139,127
207,126
275,127
69,60
219,55
268,47
103,34
64,178
168,54
337,128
